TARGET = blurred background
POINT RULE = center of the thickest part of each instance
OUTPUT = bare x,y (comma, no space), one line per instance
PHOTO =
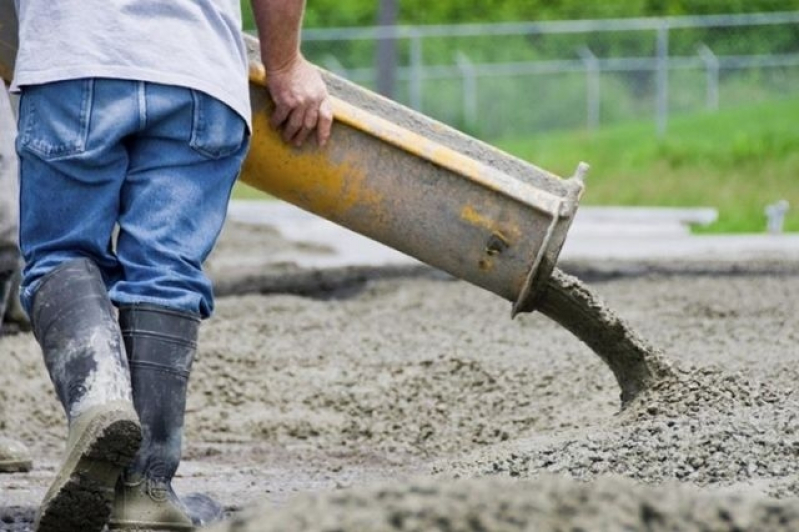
672,102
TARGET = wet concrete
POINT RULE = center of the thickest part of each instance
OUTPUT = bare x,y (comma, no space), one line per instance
636,364
548,504
418,379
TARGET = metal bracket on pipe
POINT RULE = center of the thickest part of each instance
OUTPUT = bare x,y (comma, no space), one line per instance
531,288
533,285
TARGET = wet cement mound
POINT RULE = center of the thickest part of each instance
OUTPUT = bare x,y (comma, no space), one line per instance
696,391
702,426
545,504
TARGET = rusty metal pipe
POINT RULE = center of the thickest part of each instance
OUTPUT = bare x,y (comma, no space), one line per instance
421,188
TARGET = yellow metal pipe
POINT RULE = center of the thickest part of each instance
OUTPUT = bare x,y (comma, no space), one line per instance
411,191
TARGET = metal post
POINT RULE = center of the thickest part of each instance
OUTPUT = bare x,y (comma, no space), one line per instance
712,76
662,78
469,77
592,83
417,66
387,49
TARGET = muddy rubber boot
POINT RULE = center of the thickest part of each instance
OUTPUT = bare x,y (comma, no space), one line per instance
14,457
161,344
74,322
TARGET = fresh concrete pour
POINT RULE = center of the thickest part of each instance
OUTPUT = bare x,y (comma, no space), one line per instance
636,365
310,407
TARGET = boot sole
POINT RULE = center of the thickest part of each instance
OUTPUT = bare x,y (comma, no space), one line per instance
81,498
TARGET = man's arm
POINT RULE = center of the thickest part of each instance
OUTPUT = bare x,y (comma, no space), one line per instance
302,103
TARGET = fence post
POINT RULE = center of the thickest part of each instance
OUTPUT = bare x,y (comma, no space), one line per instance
386,56
469,77
712,75
592,83
662,78
417,71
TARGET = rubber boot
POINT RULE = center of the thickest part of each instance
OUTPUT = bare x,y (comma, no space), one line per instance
14,457
161,344
74,322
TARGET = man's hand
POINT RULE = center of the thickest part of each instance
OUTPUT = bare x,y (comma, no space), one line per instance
302,103
300,95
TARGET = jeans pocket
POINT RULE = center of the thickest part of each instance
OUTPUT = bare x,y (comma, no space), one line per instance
54,118
217,130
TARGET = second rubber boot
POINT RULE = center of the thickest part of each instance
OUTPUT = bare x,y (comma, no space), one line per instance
161,344
74,322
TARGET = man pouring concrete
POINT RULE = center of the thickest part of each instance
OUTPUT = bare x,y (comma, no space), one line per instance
135,115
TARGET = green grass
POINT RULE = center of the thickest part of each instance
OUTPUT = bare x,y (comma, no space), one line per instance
737,160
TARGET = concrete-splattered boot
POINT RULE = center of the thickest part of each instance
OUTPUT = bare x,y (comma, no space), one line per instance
14,456
161,344
75,324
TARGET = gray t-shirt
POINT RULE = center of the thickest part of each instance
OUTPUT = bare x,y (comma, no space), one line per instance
189,43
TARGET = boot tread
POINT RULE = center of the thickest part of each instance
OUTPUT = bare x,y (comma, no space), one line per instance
81,499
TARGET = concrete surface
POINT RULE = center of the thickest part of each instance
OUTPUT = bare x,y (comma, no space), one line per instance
414,376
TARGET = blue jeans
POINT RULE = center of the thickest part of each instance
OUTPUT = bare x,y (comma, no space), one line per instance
156,161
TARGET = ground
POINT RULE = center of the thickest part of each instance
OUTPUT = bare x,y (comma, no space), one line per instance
411,401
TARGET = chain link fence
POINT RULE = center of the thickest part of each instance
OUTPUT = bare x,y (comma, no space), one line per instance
517,79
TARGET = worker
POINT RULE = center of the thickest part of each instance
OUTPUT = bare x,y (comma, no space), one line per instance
14,456
134,121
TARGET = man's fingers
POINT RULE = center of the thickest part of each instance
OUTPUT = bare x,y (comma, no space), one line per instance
308,125
324,122
294,124
280,114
